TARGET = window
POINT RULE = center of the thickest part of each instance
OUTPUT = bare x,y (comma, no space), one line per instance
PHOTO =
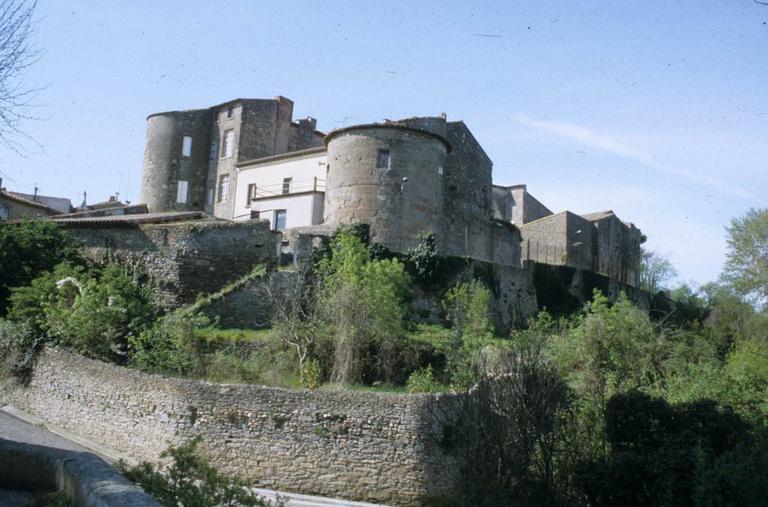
382,159
230,111
181,192
210,196
186,146
281,216
255,215
229,142
252,189
223,188
214,150
287,185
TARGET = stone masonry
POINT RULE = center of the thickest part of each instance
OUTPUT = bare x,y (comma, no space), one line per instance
364,446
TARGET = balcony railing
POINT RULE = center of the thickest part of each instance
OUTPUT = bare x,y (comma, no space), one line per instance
293,187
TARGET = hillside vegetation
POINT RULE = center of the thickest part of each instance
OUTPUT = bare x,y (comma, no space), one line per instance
608,406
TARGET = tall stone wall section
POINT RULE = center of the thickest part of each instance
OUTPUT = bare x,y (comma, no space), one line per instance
363,446
184,259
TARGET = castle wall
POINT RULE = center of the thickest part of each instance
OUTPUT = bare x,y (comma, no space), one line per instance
164,164
364,446
358,191
183,259
466,189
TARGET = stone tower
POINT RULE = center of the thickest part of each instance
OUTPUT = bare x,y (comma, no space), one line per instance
191,157
175,167
388,175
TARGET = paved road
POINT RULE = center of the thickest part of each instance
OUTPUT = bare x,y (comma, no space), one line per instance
13,428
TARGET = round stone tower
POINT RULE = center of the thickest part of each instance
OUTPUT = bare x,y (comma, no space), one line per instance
388,175
175,168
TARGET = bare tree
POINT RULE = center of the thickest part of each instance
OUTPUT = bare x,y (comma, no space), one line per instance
17,55
294,318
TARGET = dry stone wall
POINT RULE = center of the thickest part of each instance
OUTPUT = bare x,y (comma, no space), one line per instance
363,446
183,259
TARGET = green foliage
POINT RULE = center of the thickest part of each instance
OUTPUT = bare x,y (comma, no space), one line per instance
94,312
362,304
423,381
423,258
190,481
171,345
18,345
311,374
29,248
655,272
467,307
677,456
746,267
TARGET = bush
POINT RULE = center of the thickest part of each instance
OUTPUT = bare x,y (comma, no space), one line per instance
467,307
190,481
29,248
423,381
311,374
171,345
18,346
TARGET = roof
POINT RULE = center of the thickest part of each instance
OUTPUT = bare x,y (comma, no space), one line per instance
598,215
61,204
216,106
283,156
388,125
133,220
13,197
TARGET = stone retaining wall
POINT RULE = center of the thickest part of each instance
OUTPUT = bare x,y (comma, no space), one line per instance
362,446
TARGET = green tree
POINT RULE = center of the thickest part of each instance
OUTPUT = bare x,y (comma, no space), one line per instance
29,248
655,272
363,307
467,307
746,266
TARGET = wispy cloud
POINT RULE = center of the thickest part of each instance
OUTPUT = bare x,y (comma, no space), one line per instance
587,137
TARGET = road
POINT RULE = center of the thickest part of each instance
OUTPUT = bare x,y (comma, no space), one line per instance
14,428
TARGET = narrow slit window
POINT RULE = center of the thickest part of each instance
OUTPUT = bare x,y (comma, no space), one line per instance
181,192
229,143
252,190
382,159
287,185
186,146
214,151
223,188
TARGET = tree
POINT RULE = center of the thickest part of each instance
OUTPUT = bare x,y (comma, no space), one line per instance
746,266
29,248
295,317
655,272
17,55
362,303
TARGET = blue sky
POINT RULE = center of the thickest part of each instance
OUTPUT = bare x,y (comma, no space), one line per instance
655,109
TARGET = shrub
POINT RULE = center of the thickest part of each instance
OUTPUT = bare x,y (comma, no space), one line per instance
467,307
171,345
190,481
422,381
18,345
29,248
311,374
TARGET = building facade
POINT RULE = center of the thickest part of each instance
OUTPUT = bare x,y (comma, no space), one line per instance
247,159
